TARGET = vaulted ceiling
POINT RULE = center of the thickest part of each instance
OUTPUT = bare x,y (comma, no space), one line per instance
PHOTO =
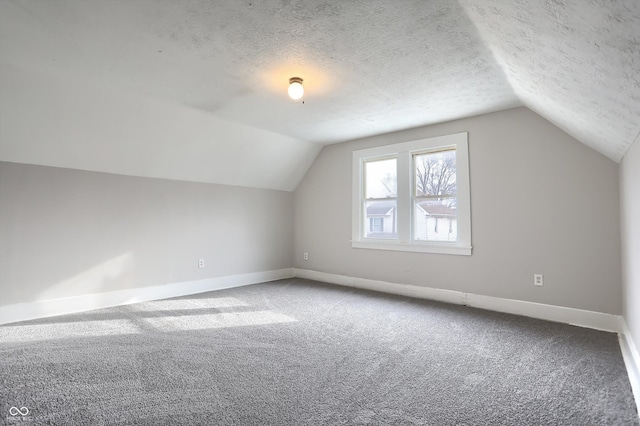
369,66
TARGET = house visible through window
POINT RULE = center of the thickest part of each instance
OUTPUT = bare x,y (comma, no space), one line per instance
413,196
380,193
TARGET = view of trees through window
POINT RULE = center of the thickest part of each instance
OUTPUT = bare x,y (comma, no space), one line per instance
413,196
436,174
434,194
435,214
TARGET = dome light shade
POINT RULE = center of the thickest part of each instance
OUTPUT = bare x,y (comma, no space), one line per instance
295,88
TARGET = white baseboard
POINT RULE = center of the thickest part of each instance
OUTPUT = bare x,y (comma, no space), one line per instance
579,317
449,296
69,305
631,359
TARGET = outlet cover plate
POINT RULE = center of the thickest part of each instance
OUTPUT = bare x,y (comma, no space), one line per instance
538,280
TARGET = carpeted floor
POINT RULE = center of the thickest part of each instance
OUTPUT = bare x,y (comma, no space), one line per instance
296,352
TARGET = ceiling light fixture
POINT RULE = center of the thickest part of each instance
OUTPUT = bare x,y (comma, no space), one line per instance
296,91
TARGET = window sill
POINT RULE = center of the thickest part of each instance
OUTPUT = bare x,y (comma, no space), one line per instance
455,249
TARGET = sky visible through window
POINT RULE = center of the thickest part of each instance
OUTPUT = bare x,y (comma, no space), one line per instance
382,179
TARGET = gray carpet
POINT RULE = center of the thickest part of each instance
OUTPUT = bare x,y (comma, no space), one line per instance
296,352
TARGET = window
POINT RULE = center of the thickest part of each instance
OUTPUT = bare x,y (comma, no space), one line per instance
376,224
413,196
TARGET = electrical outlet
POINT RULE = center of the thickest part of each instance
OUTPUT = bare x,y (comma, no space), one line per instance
305,256
200,263
538,279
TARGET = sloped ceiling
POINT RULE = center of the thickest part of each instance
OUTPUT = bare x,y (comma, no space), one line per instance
369,66
576,63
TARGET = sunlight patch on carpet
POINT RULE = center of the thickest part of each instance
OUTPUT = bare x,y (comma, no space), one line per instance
182,304
219,320
35,332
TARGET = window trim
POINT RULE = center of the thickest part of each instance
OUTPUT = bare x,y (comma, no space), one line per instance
406,181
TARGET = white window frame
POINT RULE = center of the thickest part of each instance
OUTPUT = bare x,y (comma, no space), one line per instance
406,175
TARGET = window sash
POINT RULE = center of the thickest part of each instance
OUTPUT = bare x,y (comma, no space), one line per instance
420,225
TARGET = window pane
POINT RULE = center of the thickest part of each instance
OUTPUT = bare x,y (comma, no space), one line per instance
435,220
435,173
381,219
381,179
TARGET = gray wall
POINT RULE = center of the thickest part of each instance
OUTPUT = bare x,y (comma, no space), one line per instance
67,232
630,230
541,202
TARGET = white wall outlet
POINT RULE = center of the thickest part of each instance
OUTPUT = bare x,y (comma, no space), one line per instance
305,256
200,263
538,279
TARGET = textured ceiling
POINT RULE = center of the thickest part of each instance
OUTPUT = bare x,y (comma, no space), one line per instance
369,66
575,62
